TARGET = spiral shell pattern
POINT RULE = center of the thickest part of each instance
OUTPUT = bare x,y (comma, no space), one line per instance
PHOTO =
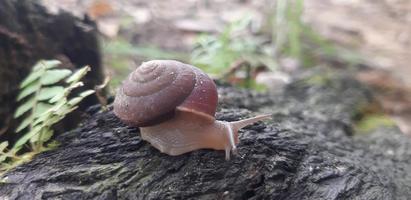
157,88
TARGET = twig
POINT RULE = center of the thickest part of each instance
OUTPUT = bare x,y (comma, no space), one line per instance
99,89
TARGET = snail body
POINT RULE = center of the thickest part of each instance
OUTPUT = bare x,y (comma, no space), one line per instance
174,105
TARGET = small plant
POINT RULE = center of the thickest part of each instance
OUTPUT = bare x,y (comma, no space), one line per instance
288,28
42,104
282,36
216,53
234,55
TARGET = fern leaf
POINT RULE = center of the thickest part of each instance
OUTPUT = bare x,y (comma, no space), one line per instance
49,92
74,101
3,157
28,90
3,146
42,108
57,97
48,106
45,136
46,64
24,124
34,75
54,76
86,93
42,118
78,75
3,153
25,107
23,140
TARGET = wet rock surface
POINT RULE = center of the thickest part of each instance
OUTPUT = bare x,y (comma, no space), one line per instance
307,151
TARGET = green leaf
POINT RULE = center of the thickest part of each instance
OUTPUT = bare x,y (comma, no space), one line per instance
65,109
42,118
50,92
29,89
41,108
45,136
86,93
46,64
57,106
76,100
3,146
54,76
45,117
3,154
75,85
57,97
43,113
25,107
33,76
78,75
52,112
53,144
66,92
3,158
59,116
26,122
23,140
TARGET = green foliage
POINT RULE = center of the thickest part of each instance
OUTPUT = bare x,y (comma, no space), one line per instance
286,28
292,38
42,104
320,79
216,53
371,122
289,38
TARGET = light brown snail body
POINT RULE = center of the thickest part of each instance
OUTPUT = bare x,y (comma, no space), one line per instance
174,105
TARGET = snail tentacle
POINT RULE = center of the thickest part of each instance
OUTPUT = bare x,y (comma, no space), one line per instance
232,132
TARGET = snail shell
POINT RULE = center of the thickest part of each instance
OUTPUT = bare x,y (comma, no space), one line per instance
155,90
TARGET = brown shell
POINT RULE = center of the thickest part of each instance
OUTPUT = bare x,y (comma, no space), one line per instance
157,88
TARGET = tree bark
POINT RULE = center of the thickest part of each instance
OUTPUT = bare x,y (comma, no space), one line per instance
307,151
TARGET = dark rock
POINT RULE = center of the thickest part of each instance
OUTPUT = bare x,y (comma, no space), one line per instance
305,152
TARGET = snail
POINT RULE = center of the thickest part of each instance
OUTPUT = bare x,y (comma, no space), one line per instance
174,105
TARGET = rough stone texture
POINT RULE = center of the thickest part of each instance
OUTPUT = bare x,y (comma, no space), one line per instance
27,34
306,151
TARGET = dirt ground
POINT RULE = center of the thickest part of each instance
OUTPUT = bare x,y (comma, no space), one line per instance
381,32
378,30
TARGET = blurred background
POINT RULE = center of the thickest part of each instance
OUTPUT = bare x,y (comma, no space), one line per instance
258,44
60,55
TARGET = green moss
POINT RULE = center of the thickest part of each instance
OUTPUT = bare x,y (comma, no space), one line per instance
371,122
319,79
251,83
